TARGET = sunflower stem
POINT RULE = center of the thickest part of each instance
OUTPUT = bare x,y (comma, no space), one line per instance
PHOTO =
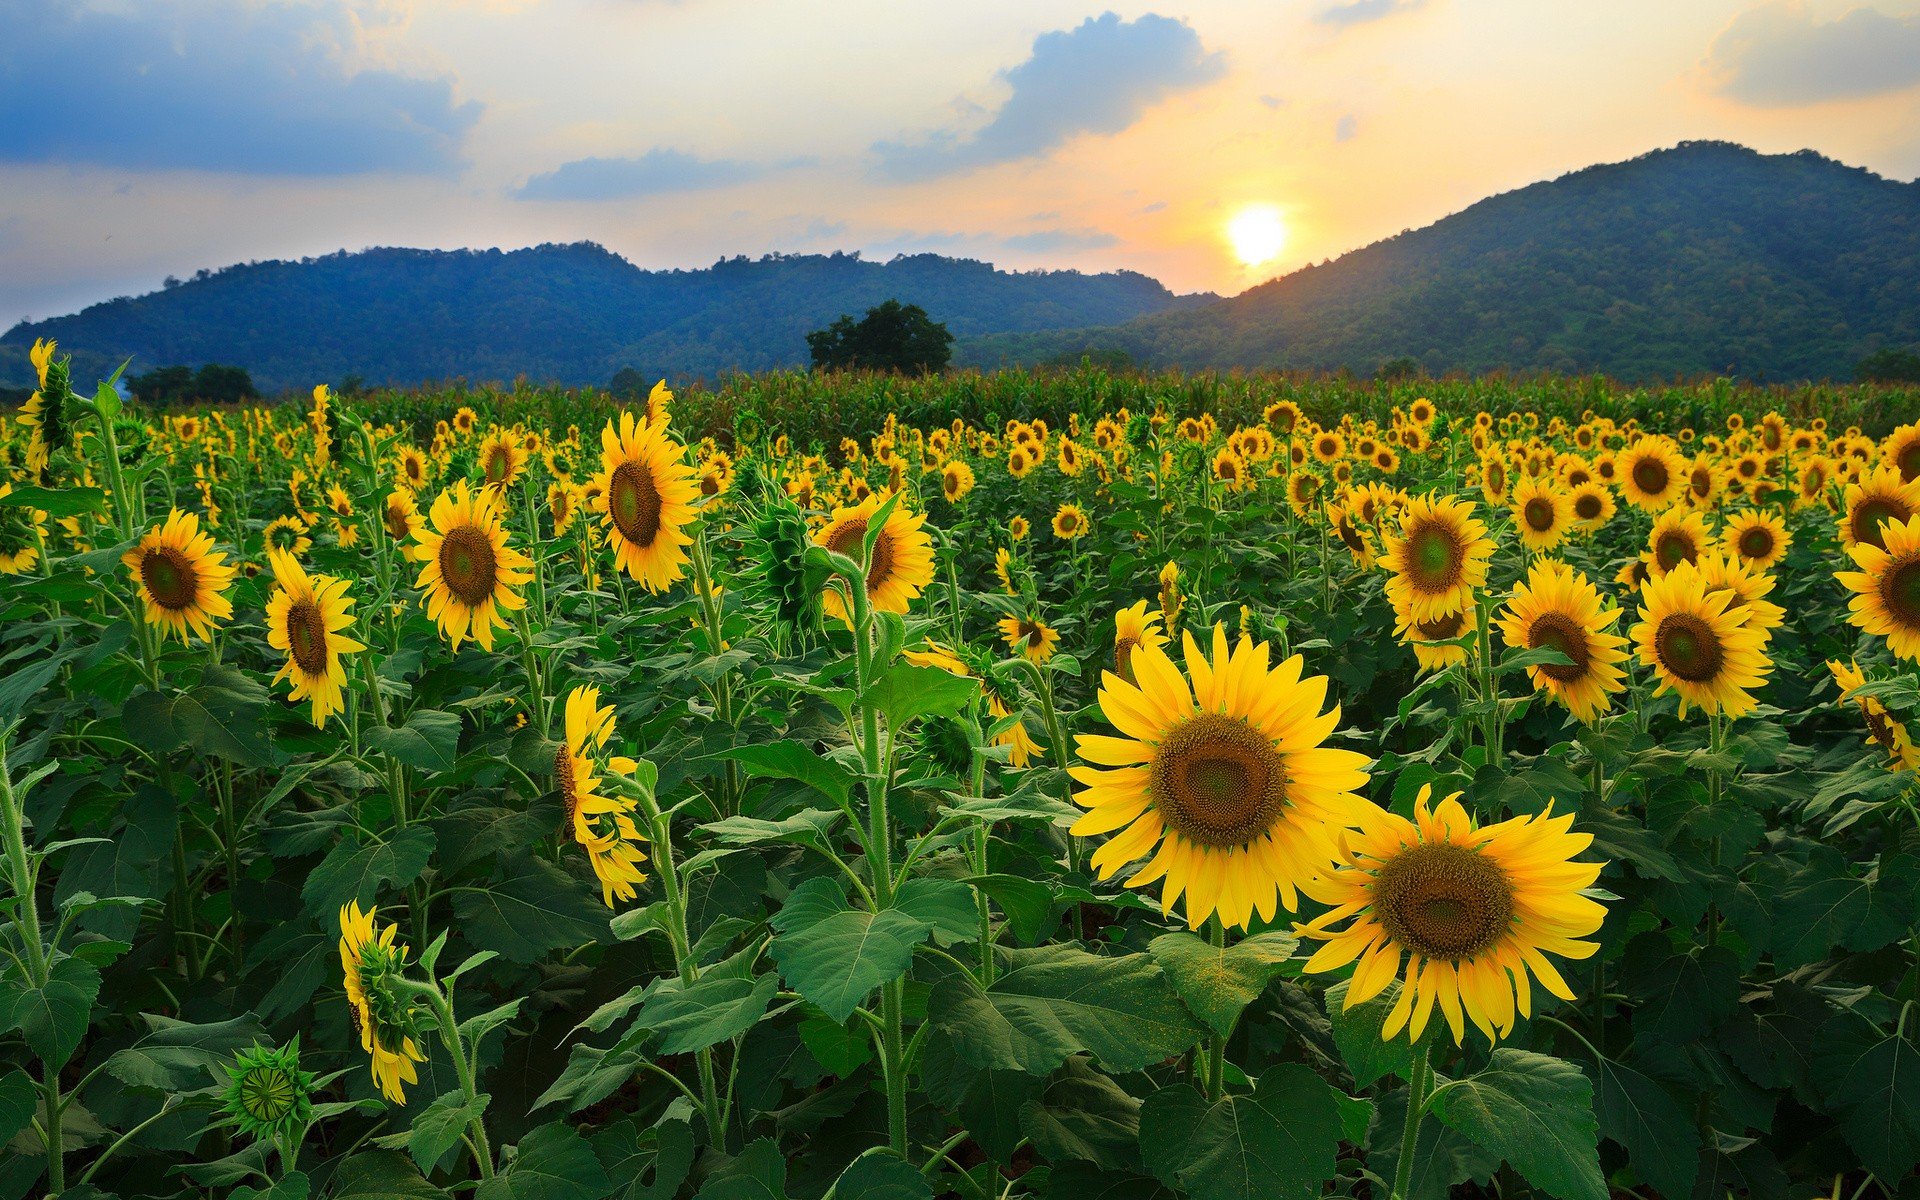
659,829
1419,1088
1217,1047
22,871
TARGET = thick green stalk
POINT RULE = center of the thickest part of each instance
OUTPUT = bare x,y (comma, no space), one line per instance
1217,1048
20,870
1419,1088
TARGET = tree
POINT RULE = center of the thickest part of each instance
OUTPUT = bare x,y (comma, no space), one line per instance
891,337
1888,365
1403,367
212,384
627,383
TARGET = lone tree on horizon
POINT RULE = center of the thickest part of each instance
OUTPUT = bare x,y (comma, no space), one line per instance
891,337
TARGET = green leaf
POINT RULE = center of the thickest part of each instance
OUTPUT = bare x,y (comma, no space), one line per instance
54,1018
438,1127
177,1056
946,906
1872,1088
220,717
1827,906
1537,1113
355,872
57,502
429,741
882,1175
757,1173
795,760
536,909
19,1100
294,1185
1682,993
382,1175
1084,1181
716,1009
1218,983
1356,1031
1661,1139
1083,1116
554,1163
808,828
906,692
836,955
837,1047
1053,1001
1026,902
1281,1141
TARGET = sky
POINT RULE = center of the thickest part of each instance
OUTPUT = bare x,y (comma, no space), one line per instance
1211,144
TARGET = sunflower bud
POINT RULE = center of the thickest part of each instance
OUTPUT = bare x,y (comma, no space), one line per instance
268,1096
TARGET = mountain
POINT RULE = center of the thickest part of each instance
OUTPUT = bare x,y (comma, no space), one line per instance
570,314
1708,258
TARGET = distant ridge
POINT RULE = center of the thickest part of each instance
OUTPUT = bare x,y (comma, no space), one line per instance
563,313
1705,259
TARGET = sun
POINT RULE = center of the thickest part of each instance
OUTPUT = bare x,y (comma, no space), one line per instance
1258,234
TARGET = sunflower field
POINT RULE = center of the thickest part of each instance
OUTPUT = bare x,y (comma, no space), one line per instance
999,786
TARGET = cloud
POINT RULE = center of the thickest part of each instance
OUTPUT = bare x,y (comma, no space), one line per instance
1361,12
657,171
1779,55
227,87
1345,128
1096,78
1052,241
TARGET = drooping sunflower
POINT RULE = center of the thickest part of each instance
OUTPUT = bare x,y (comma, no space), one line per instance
1651,472
1883,728
1428,638
1886,588
1556,607
468,571
1697,649
1022,747
181,577
21,532
1542,513
45,415
1003,569
1069,522
1473,911
1226,781
902,563
1133,628
1030,637
1678,536
382,1014
1879,499
1756,537
305,619
1438,558
647,494
603,825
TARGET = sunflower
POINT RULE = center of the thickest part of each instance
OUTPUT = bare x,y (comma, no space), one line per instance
468,571
1030,637
1133,628
1886,588
1003,567
1022,747
1593,505
1172,599
502,459
1437,559
1705,482
291,533
1883,728
400,514
1494,479
1069,522
45,415
305,617
1901,449
1329,446
411,469
956,480
1475,912
1303,491
1698,644
1020,461
1757,538
602,825
1677,537
563,504
1017,528
21,532
182,578
1542,513
1228,778
647,493
1230,468
464,420
1352,535
1882,498
1557,608
383,1019
1423,636
1652,473
902,564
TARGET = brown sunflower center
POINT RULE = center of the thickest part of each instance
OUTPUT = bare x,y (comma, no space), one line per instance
1868,517
1435,557
1900,591
499,464
633,500
1443,901
1701,481
1123,648
396,517
1586,506
569,789
1558,631
467,564
1673,548
1650,476
171,578
1539,514
1909,460
1688,647
1218,781
1756,542
307,637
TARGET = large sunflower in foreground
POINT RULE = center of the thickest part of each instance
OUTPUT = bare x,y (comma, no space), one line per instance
381,1014
468,571
1437,559
902,564
1883,728
182,578
1226,780
1651,472
305,617
1473,912
1879,499
647,493
1542,513
603,825
1698,646
1757,537
1886,588
1557,608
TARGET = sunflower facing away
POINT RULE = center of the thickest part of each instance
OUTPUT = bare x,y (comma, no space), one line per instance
182,578
1697,648
1474,912
1133,628
1883,728
647,494
1437,559
44,416
383,1019
1759,539
1557,608
1225,781
468,571
1542,513
602,824
305,617
1886,588
902,564
21,532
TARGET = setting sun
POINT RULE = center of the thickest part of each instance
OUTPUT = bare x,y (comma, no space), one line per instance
1258,234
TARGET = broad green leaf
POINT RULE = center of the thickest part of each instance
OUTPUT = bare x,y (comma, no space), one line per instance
1218,983
881,1175
1872,1088
19,1100
808,828
756,1173
1053,1001
716,1009
1537,1113
1083,1116
1682,993
294,1185
836,955
1280,1141
57,502
54,1018
906,692
382,1175
1662,1140
1356,1031
1026,902
945,906
428,741
220,717
794,760
554,1163
1084,1181
438,1127
538,908
177,1056
356,872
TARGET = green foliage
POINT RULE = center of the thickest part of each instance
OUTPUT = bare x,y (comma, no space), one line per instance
891,337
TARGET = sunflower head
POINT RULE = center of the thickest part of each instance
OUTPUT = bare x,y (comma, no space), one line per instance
1698,644
386,1013
1069,522
268,1096
1880,499
181,577
1557,608
1437,559
1886,588
901,565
